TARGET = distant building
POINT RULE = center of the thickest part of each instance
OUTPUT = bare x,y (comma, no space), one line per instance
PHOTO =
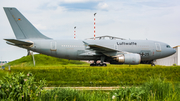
3,63
170,60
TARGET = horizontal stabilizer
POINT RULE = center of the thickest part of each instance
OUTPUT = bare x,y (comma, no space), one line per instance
19,42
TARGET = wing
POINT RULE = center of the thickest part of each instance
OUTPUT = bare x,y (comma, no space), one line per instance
108,51
18,42
100,48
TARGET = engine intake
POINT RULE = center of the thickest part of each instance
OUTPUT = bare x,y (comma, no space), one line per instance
128,58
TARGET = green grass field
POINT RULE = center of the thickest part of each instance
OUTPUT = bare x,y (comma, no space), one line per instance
62,72
43,60
23,87
143,82
100,76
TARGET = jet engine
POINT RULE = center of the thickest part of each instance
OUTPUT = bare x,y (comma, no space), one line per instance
130,58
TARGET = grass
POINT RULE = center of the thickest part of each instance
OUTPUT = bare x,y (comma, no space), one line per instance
43,60
65,73
99,76
142,82
156,89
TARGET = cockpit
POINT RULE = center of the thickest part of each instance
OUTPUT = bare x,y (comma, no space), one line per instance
167,46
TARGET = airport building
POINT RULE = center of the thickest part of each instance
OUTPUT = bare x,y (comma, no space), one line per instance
3,63
170,60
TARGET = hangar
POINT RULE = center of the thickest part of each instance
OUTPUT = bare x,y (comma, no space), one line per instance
170,60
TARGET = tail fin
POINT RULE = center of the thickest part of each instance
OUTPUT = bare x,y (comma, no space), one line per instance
22,28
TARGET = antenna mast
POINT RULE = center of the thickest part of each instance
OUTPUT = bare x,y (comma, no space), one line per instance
75,32
94,25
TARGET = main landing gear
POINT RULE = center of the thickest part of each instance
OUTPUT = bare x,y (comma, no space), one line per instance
152,62
99,64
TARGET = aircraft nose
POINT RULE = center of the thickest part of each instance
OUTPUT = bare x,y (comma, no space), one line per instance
168,52
172,51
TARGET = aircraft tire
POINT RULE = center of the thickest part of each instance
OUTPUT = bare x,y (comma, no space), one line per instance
152,64
103,64
98,64
92,64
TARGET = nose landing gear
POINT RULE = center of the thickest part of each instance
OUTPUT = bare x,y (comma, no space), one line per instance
152,63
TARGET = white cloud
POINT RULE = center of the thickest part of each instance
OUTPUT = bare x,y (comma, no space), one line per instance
75,1
103,6
52,4
79,1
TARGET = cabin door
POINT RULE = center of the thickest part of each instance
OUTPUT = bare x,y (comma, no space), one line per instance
53,48
158,47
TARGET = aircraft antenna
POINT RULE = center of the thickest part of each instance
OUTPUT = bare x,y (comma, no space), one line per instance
75,32
94,25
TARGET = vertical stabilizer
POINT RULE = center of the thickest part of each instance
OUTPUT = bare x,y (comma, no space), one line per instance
22,28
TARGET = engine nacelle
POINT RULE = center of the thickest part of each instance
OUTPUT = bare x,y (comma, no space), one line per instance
128,58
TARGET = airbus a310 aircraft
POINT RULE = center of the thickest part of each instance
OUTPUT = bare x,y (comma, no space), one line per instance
115,51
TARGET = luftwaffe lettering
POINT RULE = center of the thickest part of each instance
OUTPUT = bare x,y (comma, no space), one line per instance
126,43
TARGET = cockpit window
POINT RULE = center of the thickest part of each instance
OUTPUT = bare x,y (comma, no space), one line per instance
167,46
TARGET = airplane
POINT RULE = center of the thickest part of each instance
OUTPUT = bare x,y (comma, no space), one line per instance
115,50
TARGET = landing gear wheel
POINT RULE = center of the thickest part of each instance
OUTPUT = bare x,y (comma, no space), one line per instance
98,64
92,64
104,64
152,64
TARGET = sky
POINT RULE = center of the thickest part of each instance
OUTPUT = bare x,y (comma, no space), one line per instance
157,20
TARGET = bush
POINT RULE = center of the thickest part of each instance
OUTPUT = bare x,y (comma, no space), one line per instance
155,89
59,94
62,94
19,86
